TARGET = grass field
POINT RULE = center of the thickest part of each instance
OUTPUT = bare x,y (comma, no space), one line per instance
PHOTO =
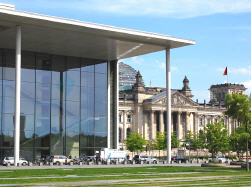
137,176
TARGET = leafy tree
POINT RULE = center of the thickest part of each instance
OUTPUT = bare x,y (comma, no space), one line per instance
160,142
174,141
150,144
135,142
239,108
196,140
216,138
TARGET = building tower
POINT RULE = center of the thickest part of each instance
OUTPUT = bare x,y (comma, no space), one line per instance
186,90
218,92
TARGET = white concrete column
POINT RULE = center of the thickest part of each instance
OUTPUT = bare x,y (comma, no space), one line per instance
17,99
108,105
117,104
168,106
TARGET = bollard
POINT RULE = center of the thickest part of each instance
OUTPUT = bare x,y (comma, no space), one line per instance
187,161
164,162
40,163
29,163
71,163
108,162
50,163
179,161
116,162
133,162
141,162
8,164
125,162
80,163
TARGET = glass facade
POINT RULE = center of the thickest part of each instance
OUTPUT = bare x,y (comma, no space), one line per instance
63,105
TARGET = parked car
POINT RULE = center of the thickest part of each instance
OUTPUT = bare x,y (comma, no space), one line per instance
177,158
57,159
219,159
145,158
10,160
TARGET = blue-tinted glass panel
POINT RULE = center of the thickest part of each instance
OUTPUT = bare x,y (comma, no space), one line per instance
8,105
9,73
73,93
8,88
42,110
27,75
100,81
26,138
58,77
7,122
43,92
73,78
87,79
27,106
8,140
87,66
100,140
43,76
26,122
101,68
28,90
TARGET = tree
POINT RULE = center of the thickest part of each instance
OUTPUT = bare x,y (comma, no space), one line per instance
160,142
174,141
216,138
239,108
135,142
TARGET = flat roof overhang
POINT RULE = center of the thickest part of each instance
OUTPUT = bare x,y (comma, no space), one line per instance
53,35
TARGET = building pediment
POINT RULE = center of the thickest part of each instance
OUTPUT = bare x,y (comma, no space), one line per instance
177,99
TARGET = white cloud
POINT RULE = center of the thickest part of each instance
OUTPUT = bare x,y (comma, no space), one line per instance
134,60
164,8
243,71
247,84
162,66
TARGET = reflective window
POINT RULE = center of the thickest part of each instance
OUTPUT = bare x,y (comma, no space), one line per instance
63,105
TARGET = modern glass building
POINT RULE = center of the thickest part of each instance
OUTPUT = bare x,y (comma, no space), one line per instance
59,82
63,104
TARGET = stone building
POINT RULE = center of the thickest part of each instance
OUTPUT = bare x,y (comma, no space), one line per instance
143,109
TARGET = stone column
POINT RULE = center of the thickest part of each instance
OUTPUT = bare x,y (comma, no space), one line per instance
188,127
179,127
124,125
145,125
151,125
196,123
161,122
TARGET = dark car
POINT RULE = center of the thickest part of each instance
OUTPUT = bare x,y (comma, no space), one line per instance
182,159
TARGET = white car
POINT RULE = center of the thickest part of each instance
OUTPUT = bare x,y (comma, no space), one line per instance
219,159
57,159
10,160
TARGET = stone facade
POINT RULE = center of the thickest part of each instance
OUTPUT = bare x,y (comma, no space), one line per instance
143,109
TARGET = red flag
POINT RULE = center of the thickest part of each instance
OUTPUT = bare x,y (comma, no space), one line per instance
225,72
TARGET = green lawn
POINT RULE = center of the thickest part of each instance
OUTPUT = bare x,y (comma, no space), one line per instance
160,175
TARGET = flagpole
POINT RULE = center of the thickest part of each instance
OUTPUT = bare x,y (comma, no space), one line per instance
227,75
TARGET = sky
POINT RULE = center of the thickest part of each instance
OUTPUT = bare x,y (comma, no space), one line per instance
220,28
